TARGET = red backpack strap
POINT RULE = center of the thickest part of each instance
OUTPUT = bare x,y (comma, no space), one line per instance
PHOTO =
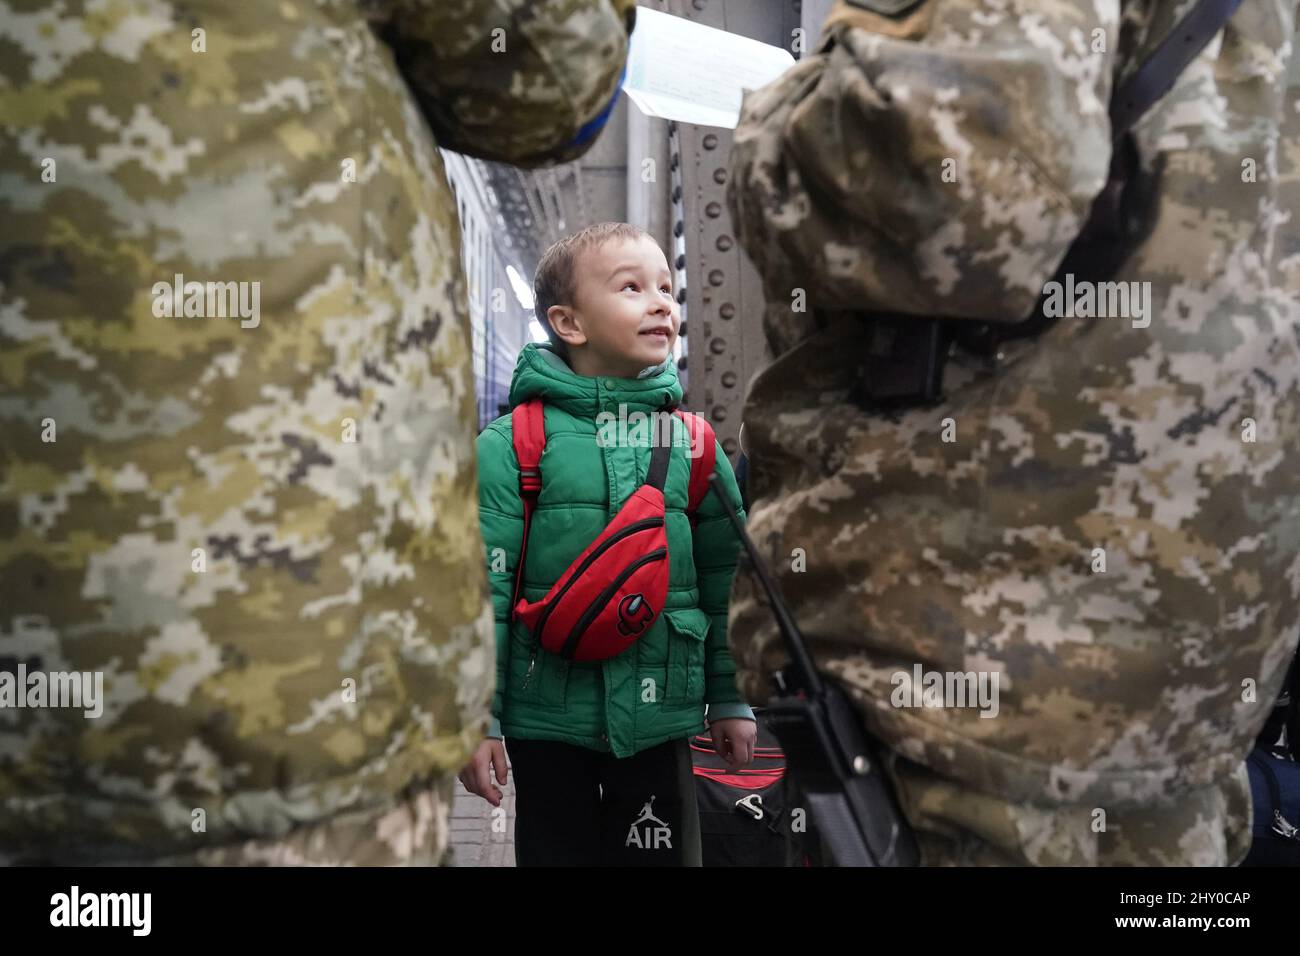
528,430
704,452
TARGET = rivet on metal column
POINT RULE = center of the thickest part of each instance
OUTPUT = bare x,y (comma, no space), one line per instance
679,242
723,290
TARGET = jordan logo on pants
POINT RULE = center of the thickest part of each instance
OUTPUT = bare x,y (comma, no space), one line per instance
655,837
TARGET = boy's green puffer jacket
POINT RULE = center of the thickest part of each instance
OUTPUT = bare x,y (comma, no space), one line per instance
656,690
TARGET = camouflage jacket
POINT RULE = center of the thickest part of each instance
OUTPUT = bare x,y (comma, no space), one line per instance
1105,516
238,483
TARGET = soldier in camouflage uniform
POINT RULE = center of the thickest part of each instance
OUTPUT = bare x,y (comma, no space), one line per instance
251,508
1165,454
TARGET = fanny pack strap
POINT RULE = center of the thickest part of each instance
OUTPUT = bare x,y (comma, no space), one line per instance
659,457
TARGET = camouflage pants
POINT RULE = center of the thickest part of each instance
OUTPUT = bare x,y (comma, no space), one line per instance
956,825
411,831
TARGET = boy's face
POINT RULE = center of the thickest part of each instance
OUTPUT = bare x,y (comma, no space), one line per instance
624,317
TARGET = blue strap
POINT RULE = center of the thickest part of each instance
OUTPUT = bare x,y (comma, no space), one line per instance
594,126
1156,75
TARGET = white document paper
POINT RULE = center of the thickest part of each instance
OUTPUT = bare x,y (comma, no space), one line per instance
685,71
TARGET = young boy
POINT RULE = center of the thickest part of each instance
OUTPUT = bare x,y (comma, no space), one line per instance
600,749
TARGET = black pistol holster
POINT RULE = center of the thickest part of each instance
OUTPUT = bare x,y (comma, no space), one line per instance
838,769
833,761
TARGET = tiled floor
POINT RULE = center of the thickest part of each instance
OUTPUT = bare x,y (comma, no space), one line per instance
480,836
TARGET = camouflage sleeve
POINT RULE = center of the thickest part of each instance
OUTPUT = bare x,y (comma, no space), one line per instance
715,549
937,164
1288,154
518,81
236,424
501,514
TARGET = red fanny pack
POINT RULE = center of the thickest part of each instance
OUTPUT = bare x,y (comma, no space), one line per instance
614,591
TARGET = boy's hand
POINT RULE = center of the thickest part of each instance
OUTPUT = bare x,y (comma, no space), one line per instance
477,775
734,739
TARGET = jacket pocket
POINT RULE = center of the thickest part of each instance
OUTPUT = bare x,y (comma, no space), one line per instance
687,630
554,678
542,680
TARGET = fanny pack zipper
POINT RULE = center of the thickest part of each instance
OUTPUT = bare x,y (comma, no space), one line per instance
593,609
645,524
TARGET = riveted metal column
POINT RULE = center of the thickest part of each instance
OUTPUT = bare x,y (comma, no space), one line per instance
725,342
649,180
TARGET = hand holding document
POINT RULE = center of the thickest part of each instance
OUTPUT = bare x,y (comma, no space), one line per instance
685,71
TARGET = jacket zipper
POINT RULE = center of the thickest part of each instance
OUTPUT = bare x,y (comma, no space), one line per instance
645,524
594,608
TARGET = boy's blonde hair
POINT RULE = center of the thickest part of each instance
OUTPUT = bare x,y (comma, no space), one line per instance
556,280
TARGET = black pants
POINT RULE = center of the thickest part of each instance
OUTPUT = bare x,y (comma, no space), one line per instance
577,807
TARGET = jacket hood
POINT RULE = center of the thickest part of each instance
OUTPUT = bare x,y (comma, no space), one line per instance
541,373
